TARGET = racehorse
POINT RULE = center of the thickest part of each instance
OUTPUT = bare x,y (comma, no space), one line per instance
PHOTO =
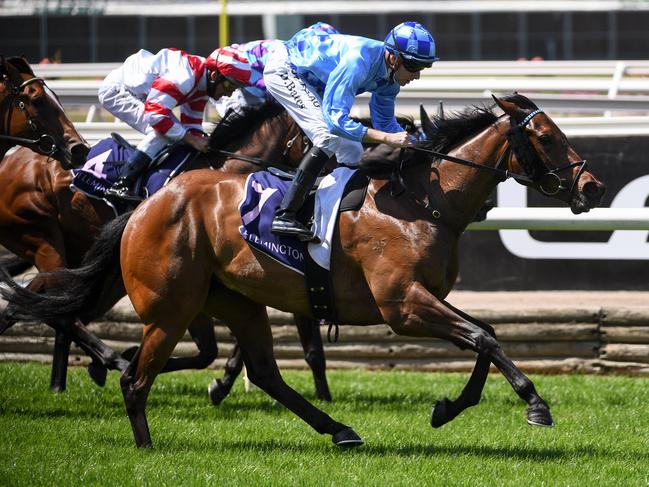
31,116
393,261
45,222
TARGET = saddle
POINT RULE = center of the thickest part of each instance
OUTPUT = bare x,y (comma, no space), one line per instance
104,165
342,190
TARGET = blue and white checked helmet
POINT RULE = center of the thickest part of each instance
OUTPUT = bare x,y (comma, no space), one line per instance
324,27
414,44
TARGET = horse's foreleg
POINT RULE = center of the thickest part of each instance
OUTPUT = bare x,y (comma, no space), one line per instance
249,323
220,388
446,410
201,330
427,316
309,332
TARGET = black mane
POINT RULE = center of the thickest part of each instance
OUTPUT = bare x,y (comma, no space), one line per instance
234,124
470,121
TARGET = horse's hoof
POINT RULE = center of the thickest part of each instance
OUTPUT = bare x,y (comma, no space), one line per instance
97,373
540,416
439,415
347,438
129,353
217,392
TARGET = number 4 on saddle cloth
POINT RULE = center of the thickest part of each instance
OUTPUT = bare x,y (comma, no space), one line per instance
344,189
107,158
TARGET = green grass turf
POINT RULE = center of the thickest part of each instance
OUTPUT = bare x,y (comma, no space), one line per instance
82,437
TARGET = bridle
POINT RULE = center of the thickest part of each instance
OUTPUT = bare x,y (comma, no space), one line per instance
45,143
547,180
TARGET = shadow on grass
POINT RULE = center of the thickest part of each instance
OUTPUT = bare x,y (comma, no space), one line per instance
406,451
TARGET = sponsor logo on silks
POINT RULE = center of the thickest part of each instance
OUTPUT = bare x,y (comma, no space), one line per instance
622,245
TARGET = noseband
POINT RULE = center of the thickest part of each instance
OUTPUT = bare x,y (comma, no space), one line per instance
46,143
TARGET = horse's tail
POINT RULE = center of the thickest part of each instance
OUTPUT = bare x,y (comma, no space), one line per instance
85,292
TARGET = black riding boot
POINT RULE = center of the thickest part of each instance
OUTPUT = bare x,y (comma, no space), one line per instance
285,221
122,187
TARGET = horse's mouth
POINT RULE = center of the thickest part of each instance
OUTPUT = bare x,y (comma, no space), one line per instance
71,156
589,197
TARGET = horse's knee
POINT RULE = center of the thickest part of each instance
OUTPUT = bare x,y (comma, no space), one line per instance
486,343
489,329
314,358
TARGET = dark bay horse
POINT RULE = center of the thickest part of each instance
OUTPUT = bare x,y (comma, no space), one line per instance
392,261
52,227
31,116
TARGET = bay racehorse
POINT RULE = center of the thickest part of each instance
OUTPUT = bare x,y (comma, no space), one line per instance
31,116
43,221
393,261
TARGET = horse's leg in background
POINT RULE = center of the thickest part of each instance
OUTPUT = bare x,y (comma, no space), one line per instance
309,332
220,388
425,315
248,321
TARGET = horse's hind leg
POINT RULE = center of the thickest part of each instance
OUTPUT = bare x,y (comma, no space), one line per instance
60,354
201,330
158,342
220,388
249,323
309,332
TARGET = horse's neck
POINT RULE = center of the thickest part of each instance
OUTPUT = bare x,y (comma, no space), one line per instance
463,189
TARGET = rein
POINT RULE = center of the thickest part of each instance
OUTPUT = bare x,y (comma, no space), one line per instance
256,160
45,143
550,183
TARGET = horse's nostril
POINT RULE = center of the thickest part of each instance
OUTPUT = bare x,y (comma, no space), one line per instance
78,153
80,149
593,189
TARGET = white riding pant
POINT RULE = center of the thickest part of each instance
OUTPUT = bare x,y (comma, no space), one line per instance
239,100
119,101
305,106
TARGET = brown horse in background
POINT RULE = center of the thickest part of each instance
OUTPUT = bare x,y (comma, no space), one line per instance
43,221
393,261
31,116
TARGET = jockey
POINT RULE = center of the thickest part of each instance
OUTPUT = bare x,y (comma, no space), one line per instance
147,87
316,77
257,53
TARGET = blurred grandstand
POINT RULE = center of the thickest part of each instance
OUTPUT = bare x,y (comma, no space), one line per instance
108,31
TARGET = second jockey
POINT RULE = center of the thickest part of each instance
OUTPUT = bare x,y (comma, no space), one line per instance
145,89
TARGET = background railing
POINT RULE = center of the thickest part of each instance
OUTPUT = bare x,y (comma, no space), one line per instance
575,87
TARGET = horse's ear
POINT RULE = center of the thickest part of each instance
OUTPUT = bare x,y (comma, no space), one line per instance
427,125
510,108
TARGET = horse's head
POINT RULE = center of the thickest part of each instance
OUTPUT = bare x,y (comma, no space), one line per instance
542,152
32,115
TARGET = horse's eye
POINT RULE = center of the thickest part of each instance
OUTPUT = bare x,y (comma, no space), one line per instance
38,101
546,140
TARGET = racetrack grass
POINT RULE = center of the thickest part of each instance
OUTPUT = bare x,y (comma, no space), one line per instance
82,437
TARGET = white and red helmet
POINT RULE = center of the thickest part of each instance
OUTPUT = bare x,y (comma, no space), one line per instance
230,63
